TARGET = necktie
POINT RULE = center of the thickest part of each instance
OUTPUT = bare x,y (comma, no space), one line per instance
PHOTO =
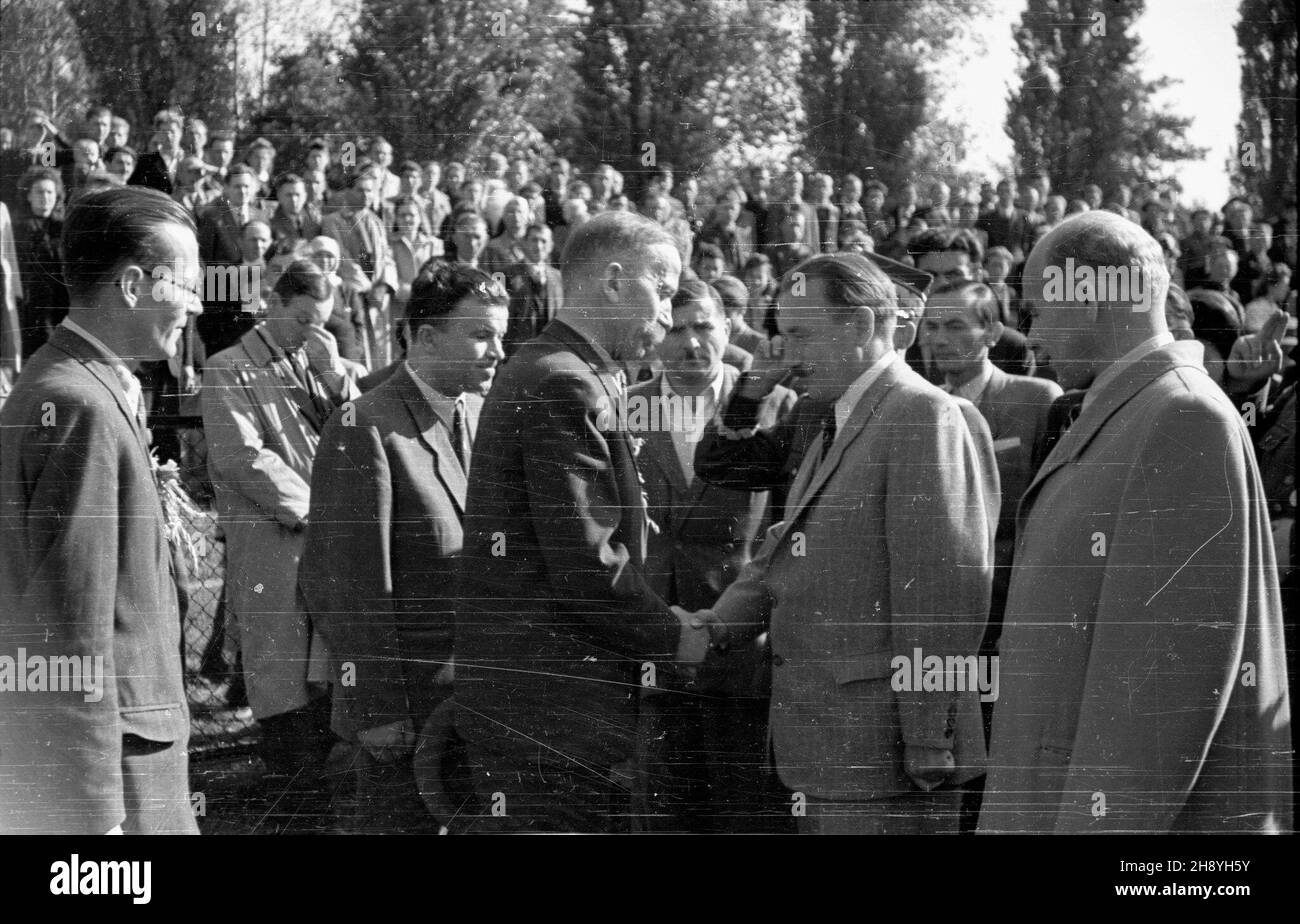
307,379
460,434
828,432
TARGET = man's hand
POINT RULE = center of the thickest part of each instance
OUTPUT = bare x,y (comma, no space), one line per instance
1257,356
693,647
387,742
322,349
927,767
708,622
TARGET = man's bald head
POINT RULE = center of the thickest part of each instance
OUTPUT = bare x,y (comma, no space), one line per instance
1096,286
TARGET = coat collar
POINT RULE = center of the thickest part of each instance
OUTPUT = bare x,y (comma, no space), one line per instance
99,366
897,371
433,432
664,452
1181,354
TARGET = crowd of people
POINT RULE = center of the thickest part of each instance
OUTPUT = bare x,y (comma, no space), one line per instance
791,504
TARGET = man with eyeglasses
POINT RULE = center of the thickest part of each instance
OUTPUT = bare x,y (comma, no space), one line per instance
84,560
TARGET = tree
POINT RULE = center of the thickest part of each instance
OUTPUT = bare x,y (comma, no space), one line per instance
1083,111
869,83
457,78
1264,167
686,82
48,74
145,55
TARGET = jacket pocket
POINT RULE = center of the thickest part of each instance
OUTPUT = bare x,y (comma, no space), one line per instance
873,665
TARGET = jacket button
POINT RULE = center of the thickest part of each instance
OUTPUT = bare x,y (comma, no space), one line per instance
777,660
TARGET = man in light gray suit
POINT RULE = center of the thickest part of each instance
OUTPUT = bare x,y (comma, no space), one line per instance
881,569
1144,683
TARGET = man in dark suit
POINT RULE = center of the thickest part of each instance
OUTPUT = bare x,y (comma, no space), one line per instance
1143,667
955,256
387,497
221,227
557,626
961,325
85,575
157,169
536,288
704,758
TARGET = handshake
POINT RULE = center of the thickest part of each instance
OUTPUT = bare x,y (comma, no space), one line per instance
701,631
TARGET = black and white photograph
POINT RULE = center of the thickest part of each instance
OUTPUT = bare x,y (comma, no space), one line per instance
649,417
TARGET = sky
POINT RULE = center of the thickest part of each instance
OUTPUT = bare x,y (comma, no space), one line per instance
1189,40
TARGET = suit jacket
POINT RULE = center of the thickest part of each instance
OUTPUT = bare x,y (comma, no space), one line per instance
1016,409
532,305
387,497
705,533
1142,657
885,551
219,232
85,571
151,170
556,617
283,228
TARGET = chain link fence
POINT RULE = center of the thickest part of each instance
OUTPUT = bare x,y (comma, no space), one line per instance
220,719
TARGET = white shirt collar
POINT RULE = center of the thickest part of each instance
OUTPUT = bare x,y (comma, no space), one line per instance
1112,372
853,394
972,390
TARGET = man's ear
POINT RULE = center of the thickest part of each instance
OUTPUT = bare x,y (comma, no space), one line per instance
993,333
611,282
864,322
132,285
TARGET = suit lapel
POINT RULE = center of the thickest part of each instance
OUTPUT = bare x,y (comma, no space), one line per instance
853,428
1118,393
434,435
98,366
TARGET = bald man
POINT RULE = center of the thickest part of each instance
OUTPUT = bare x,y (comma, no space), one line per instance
558,627
1143,681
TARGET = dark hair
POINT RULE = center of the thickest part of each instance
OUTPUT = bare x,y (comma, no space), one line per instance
260,144
692,289
852,282
409,165
875,184
952,240
755,260
240,170
284,179
96,111
319,144
33,176
975,295
221,135
120,149
440,286
107,227
708,251
732,292
302,277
